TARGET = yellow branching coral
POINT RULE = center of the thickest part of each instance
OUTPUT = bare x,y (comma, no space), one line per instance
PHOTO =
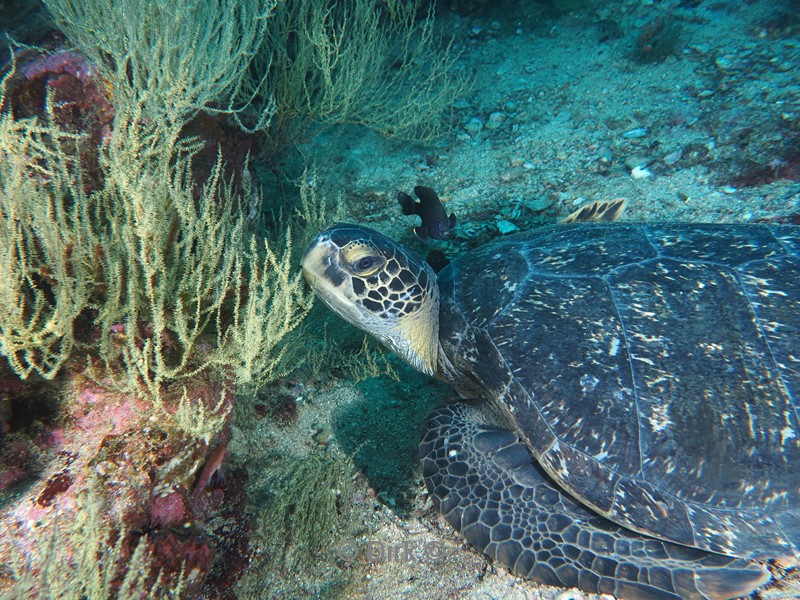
161,264
361,62
171,58
45,245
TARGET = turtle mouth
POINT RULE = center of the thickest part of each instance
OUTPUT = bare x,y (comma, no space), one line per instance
309,263
320,265
326,278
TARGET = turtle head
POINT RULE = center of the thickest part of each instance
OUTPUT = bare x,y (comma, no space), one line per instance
380,287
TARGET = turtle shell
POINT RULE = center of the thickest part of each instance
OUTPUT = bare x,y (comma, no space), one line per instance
652,370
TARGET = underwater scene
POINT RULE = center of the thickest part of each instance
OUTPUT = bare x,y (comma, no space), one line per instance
400,299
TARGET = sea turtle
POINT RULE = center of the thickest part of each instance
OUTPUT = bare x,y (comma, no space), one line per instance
631,395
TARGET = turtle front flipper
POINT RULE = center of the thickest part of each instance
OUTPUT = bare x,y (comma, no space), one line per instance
486,484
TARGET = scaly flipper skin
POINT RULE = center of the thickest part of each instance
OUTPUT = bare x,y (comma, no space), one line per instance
516,516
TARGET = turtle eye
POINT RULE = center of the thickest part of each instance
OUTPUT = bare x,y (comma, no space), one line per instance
366,265
363,260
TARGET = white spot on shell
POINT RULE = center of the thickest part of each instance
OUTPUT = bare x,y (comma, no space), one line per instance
660,420
588,383
787,433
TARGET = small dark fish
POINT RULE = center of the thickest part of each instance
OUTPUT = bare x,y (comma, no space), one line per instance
435,222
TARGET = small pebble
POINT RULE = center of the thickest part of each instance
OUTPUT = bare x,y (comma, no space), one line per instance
725,62
495,120
673,157
542,202
571,595
639,132
510,174
636,161
506,227
563,116
474,127
605,154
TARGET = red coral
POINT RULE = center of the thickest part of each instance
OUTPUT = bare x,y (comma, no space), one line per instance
168,510
56,484
189,553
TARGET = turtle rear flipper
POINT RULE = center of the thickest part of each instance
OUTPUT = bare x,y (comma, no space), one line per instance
517,516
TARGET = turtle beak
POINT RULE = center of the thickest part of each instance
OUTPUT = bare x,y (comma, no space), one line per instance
319,262
328,281
311,261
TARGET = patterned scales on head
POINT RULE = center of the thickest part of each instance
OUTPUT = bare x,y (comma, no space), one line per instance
641,436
